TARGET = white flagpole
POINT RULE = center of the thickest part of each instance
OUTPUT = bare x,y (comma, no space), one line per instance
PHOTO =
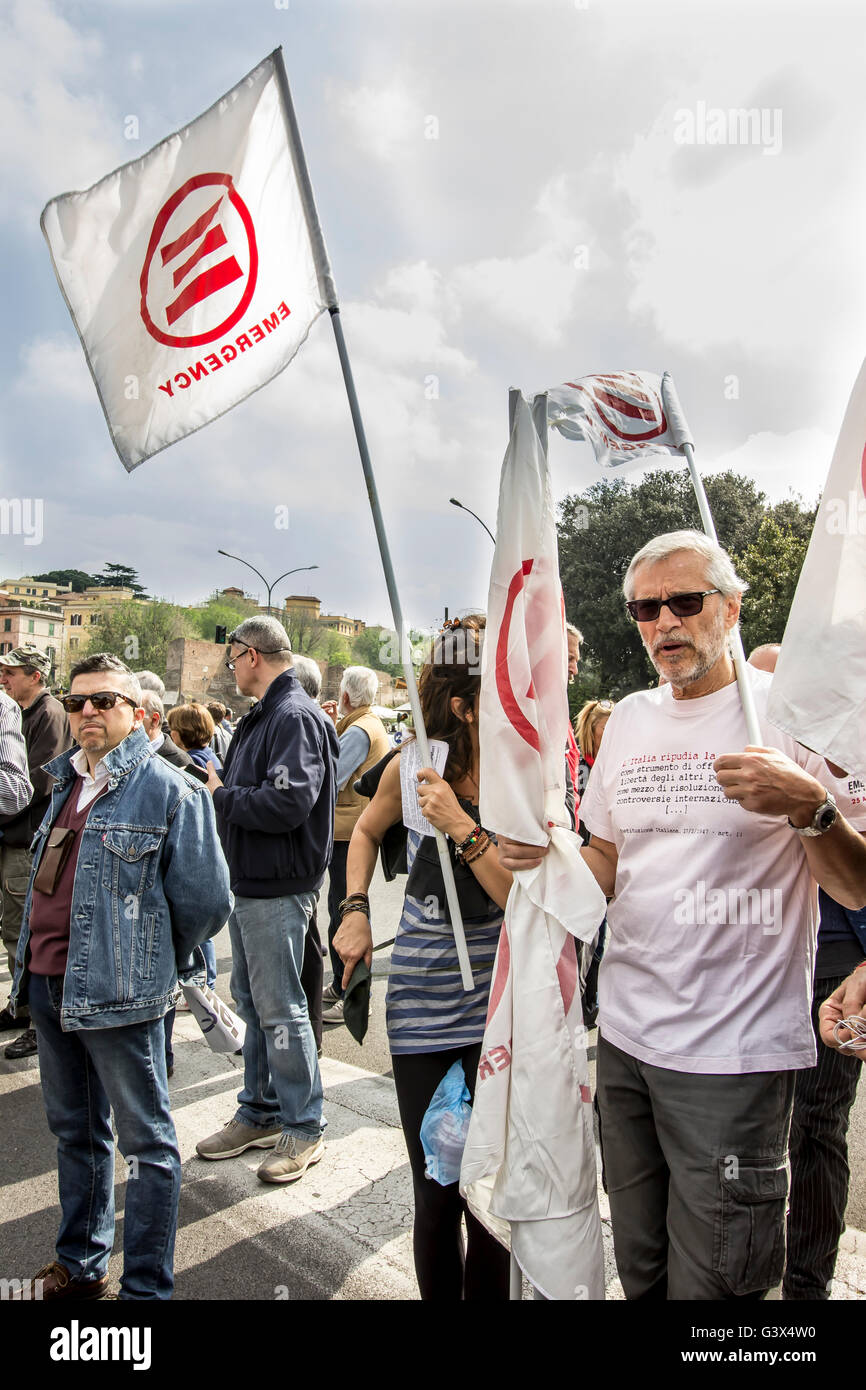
681,433
329,294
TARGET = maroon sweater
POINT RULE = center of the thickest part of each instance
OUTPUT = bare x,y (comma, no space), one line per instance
49,916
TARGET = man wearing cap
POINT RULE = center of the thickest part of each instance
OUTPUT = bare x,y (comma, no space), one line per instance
23,673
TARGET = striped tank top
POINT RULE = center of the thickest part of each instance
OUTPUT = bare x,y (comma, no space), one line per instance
426,1007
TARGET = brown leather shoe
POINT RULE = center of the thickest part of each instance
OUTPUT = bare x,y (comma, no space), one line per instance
56,1283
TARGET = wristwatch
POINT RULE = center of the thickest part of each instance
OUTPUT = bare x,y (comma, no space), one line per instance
823,820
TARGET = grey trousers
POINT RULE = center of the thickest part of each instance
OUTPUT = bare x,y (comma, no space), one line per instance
695,1169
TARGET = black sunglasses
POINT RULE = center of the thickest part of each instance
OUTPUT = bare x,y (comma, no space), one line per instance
100,699
646,610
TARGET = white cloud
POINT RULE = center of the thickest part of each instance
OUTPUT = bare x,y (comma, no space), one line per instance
383,122
54,369
47,109
781,463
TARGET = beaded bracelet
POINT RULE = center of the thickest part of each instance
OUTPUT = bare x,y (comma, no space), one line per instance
471,840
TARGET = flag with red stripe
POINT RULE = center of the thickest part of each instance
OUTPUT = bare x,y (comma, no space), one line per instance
529,1165
194,273
623,415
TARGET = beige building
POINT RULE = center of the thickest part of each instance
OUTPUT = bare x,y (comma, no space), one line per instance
304,606
29,589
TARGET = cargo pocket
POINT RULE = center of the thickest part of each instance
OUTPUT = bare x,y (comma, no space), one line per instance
750,1226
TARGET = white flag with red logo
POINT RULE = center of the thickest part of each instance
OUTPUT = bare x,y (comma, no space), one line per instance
627,417
529,1170
194,273
819,686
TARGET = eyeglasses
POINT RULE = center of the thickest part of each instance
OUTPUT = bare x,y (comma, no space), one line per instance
646,610
100,699
229,662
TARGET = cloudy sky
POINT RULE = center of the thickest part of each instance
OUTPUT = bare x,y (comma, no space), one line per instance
569,216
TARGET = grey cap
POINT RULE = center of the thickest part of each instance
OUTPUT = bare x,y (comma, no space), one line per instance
28,655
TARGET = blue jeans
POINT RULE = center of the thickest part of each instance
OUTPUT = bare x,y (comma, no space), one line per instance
85,1075
282,1085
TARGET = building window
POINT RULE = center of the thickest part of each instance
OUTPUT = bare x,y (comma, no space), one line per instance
75,620
51,630
94,617
73,641
44,593
29,624
7,624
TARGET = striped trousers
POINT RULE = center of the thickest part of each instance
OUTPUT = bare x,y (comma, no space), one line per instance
823,1097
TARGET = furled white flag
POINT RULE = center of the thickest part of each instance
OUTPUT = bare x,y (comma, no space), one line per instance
194,273
819,687
627,417
529,1171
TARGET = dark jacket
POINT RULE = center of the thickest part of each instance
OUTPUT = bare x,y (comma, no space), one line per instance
178,757
45,727
275,811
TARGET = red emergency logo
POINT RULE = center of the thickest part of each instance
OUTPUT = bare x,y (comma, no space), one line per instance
202,251
624,405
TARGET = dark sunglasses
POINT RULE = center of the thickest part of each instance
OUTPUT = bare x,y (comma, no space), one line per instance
646,610
100,699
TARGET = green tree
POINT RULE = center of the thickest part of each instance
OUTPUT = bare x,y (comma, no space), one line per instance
77,578
219,611
771,567
378,648
337,651
120,576
139,633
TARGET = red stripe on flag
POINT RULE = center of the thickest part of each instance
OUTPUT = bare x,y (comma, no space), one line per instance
566,973
215,238
503,962
586,1094
636,412
191,234
507,698
203,285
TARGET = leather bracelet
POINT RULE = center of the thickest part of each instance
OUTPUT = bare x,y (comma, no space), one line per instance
470,859
355,902
861,966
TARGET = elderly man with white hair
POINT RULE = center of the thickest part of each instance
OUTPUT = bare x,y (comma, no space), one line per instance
708,852
363,743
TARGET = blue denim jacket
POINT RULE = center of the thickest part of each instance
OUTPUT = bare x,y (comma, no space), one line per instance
151,883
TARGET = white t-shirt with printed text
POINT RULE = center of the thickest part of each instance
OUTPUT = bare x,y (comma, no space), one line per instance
708,966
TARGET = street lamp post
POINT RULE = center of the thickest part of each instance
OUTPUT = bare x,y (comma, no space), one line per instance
270,587
455,503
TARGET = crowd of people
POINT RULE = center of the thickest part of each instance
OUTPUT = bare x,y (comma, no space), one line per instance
131,836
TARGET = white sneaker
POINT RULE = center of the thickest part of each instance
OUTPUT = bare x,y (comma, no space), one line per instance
329,995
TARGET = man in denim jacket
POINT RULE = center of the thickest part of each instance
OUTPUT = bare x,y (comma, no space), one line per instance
128,878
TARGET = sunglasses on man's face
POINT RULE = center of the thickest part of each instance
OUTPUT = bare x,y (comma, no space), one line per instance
646,610
100,699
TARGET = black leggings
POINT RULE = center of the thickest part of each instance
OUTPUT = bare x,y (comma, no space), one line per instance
444,1272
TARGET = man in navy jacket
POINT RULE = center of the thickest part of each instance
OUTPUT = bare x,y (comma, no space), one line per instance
275,812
